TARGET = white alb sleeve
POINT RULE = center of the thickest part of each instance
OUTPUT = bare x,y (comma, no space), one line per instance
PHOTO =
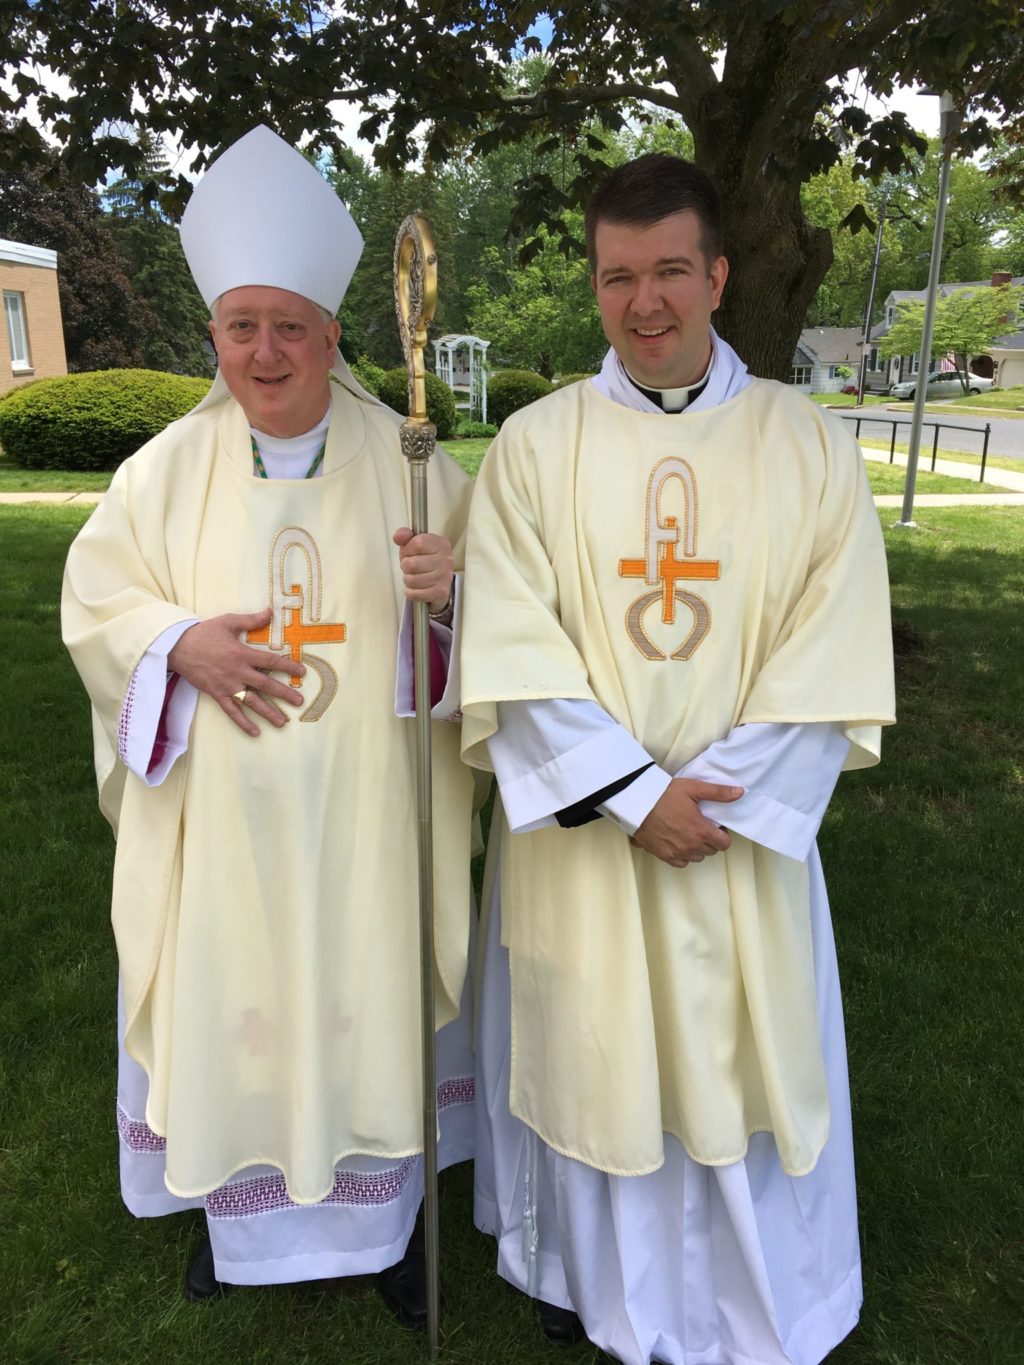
789,773
549,754
146,701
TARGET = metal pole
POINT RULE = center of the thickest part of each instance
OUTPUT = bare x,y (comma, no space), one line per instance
984,451
415,300
949,123
862,380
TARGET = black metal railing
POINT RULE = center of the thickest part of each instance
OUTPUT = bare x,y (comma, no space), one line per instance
894,422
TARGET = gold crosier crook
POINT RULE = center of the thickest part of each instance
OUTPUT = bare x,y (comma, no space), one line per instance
415,300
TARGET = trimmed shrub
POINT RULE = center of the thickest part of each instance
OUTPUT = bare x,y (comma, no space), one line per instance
368,374
93,420
394,390
571,379
469,430
511,390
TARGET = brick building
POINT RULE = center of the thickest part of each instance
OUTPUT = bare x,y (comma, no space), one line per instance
32,337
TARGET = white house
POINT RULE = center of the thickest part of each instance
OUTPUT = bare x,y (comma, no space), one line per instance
1003,360
821,354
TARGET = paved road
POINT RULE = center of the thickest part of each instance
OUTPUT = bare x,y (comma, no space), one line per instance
1007,436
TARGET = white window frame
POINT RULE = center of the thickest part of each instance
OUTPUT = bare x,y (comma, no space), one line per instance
797,370
17,330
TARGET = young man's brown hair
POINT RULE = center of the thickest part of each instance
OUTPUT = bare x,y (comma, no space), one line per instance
644,191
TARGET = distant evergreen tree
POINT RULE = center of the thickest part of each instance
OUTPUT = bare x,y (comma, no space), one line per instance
105,323
378,202
177,339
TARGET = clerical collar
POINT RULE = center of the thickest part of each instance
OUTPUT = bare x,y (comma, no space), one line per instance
673,400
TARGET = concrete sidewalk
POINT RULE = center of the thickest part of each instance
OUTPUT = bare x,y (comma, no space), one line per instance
72,499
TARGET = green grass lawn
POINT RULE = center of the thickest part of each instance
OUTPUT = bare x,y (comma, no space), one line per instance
14,479
845,400
890,478
1001,402
469,453
923,859
956,456
973,406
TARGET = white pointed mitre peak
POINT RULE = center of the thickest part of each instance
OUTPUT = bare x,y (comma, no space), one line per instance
262,214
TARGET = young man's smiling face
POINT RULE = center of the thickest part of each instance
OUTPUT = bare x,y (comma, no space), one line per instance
656,293
274,350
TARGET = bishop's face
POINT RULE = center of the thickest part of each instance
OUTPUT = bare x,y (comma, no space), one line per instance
656,293
274,350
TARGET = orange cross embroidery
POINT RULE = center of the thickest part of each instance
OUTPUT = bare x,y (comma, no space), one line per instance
660,565
297,633
288,605
670,570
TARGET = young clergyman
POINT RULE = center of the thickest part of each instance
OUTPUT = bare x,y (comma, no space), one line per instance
676,637
234,607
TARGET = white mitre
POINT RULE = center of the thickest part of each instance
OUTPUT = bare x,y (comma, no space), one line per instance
262,214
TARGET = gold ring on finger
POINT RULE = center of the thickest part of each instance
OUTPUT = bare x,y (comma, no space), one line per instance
239,696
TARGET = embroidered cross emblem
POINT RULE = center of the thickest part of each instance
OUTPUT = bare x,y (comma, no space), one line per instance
287,629
298,633
661,565
670,570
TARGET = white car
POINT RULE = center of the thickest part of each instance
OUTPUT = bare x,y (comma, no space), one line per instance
942,384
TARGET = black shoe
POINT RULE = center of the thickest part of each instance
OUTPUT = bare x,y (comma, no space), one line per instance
403,1286
201,1282
562,1326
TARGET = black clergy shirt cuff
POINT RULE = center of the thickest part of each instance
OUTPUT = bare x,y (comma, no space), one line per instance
583,811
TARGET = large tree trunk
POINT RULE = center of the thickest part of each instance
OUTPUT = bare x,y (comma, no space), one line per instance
777,259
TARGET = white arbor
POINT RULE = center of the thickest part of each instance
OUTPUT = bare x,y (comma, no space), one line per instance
461,362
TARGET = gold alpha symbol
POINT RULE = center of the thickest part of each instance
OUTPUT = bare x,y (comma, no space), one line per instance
661,566
295,633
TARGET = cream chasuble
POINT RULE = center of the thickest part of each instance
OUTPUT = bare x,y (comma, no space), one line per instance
689,573
265,895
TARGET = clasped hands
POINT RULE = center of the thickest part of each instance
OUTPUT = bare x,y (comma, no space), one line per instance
677,831
211,656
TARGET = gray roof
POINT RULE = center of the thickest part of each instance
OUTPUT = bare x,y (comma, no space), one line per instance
801,357
1013,342
832,345
898,296
901,295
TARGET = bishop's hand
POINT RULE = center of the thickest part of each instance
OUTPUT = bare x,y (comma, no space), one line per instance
427,565
677,831
213,659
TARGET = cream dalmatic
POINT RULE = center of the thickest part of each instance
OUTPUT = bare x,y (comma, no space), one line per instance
689,574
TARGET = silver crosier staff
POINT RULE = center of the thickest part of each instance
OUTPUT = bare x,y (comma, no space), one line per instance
415,300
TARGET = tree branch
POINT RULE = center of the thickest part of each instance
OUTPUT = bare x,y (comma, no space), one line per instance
583,96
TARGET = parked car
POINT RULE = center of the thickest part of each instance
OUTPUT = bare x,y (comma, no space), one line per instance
942,384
